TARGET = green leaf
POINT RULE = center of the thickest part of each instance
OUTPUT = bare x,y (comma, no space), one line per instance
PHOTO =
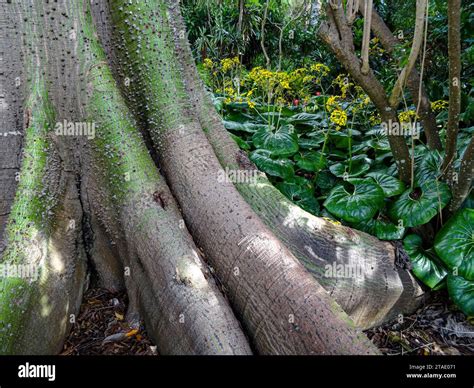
388,231
461,292
383,230
282,168
429,167
311,161
420,206
282,142
306,118
454,243
244,127
240,142
359,165
325,181
301,195
361,204
424,264
309,143
391,186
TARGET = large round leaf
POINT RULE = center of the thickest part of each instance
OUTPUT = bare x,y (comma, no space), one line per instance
311,161
282,142
302,195
391,186
454,243
420,206
424,262
360,205
429,167
461,292
325,181
282,168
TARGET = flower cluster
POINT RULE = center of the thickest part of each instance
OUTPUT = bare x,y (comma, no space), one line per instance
407,116
339,117
439,105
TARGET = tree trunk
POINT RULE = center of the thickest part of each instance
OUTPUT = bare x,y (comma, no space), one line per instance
415,85
387,292
97,199
282,307
43,266
337,34
167,281
454,53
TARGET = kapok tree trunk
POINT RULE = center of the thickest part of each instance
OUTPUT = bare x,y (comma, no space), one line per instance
385,291
283,308
43,266
167,281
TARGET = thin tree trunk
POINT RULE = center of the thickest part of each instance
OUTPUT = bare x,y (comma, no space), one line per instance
262,34
454,54
337,34
414,83
463,185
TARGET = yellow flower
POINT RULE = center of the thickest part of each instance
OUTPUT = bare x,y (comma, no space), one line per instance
342,80
375,119
251,104
320,68
439,105
229,90
208,64
332,221
227,64
332,103
407,116
339,117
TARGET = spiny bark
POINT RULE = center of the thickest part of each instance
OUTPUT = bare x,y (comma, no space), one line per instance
166,279
385,293
36,310
11,113
283,308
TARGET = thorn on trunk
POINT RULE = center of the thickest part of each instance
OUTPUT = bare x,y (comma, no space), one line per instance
160,199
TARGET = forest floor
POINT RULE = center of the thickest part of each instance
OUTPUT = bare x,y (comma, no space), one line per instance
437,328
101,328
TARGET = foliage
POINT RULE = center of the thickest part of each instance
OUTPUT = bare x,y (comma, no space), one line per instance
318,137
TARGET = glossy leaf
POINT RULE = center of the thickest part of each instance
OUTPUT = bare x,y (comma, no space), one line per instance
461,292
361,204
391,186
424,264
282,168
282,142
420,206
454,243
